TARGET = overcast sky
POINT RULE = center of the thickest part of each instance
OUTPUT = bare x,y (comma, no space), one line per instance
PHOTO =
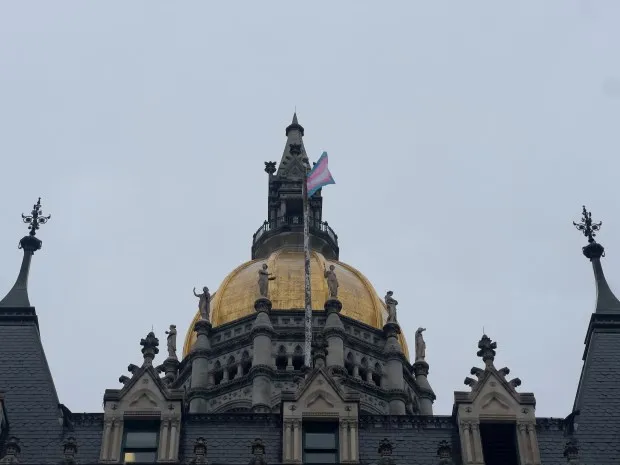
463,136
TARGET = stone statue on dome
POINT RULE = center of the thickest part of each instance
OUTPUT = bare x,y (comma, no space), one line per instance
420,345
332,282
263,281
391,304
172,341
204,304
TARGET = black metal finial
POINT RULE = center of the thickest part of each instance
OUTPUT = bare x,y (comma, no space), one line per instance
587,227
36,218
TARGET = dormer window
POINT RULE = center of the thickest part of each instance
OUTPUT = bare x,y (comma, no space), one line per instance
140,442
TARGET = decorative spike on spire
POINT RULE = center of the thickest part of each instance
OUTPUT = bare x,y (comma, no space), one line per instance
606,301
18,295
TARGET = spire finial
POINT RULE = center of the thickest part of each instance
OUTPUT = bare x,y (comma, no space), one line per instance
606,301
35,218
18,295
149,348
589,229
487,350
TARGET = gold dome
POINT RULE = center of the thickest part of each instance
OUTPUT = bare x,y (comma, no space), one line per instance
236,296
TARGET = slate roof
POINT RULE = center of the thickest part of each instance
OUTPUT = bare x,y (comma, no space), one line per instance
415,439
87,429
229,436
598,423
30,396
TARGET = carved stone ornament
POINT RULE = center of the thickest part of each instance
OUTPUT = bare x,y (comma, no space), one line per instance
12,451
444,452
149,347
385,452
200,452
258,453
69,450
571,451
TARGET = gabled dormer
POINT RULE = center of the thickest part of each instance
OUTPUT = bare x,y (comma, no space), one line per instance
320,422
496,423
142,421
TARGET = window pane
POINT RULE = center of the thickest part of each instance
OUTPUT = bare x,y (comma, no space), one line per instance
144,457
141,440
320,441
320,457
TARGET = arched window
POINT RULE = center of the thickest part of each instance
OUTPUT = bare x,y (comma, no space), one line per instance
281,358
246,363
364,369
232,368
218,373
377,375
298,358
349,363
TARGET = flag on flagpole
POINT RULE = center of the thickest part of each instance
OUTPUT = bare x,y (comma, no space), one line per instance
319,176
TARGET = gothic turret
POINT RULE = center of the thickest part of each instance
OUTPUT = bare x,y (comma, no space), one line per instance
30,401
284,224
18,295
597,405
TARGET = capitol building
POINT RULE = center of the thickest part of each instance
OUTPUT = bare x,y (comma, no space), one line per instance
238,388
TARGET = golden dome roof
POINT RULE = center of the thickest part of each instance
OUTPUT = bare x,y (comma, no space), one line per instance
236,296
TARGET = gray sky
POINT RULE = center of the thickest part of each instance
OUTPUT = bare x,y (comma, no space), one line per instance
464,138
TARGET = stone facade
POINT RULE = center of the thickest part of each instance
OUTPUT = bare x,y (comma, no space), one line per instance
241,393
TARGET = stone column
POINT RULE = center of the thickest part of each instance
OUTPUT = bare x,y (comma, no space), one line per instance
354,455
287,443
262,363
344,441
297,439
334,335
106,442
200,366
394,380
426,395
164,439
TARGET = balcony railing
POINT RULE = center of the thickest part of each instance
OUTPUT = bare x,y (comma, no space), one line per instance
290,222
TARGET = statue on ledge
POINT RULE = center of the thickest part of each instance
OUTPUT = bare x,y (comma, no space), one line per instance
332,282
420,345
391,304
172,341
263,281
204,304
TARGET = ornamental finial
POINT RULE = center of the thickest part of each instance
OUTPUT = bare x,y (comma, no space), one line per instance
35,218
586,226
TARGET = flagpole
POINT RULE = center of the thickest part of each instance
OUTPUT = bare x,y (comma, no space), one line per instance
307,285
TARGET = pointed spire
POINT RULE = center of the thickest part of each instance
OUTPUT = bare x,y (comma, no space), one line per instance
606,301
294,159
18,295
295,126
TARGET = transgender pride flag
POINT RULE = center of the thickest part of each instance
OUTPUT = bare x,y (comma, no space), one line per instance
319,176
